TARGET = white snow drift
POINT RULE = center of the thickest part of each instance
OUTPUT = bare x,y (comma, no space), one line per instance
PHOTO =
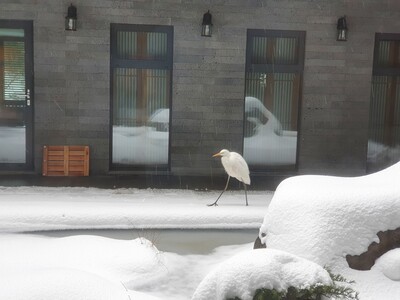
324,218
242,274
311,220
76,268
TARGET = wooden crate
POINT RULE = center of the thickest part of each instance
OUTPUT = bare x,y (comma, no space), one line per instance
65,161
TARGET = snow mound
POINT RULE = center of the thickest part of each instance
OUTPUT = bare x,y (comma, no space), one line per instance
241,275
77,267
389,264
324,218
60,284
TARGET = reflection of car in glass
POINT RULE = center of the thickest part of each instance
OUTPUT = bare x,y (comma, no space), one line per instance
160,120
380,156
265,142
159,127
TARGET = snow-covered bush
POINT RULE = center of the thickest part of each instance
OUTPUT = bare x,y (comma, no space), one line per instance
339,289
241,275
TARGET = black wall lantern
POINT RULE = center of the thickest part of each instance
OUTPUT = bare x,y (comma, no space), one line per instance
70,19
342,29
206,25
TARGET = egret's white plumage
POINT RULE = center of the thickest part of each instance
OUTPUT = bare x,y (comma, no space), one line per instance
235,165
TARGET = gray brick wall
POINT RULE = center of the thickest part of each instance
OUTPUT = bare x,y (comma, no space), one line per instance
72,75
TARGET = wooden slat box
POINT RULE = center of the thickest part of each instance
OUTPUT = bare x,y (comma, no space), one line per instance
65,161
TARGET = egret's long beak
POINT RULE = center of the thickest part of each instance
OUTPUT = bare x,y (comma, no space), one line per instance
217,154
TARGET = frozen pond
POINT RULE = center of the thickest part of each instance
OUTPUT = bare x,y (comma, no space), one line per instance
93,232
189,254
184,242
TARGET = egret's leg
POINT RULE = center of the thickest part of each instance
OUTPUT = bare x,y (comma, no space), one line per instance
245,193
226,186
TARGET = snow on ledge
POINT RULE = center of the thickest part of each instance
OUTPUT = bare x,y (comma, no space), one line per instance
324,218
27,209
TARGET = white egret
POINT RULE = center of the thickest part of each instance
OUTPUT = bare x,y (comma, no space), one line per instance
235,165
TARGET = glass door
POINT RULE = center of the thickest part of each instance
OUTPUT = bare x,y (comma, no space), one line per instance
16,95
274,70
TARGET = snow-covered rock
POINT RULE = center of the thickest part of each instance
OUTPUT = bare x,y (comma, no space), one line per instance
324,218
241,275
389,264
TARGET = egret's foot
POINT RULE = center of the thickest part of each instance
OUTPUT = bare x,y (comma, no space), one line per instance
213,204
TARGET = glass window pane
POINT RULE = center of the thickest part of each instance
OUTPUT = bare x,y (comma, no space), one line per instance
271,110
140,116
272,93
124,97
142,45
127,45
274,50
12,99
377,108
156,46
14,70
388,54
384,124
11,32
141,60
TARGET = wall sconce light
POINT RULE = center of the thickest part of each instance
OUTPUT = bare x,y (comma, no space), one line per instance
70,19
342,29
206,25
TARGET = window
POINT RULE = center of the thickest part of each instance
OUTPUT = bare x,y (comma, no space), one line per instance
16,95
384,118
141,72
12,55
274,68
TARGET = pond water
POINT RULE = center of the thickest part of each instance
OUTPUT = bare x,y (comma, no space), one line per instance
180,241
189,254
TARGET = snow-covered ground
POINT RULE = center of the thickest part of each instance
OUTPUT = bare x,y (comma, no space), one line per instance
34,266
308,223
45,208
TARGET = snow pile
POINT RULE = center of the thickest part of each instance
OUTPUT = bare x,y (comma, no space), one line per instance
244,273
78,267
389,264
324,218
87,267
57,283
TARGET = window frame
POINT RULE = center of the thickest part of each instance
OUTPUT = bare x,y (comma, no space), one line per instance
277,68
392,73
27,26
116,62
384,71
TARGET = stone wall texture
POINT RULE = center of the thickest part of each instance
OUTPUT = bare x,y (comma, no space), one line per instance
72,75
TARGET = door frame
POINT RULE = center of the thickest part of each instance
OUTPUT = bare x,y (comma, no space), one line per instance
27,25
